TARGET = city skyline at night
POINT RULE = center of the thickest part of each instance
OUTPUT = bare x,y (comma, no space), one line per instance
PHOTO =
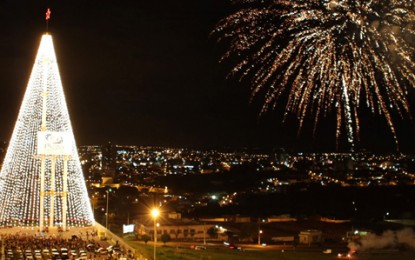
174,147
149,74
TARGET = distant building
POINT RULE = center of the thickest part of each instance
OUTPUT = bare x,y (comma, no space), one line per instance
107,181
281,218
310,236
108,158
228,218
182,231
174,215
336,221
283,239
213,219
237,219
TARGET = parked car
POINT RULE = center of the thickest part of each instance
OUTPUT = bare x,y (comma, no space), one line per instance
101,250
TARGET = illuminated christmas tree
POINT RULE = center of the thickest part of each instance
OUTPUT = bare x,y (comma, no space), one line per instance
41,181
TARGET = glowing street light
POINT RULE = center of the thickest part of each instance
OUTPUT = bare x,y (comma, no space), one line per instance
155,213
106,212
259,236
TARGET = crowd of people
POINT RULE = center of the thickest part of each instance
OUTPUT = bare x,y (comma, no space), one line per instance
51,246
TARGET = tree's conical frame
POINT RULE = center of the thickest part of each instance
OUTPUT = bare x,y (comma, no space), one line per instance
41,180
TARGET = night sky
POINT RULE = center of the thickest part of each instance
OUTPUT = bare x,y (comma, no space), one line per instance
148,73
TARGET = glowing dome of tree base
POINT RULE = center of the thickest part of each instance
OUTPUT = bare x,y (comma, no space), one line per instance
41,181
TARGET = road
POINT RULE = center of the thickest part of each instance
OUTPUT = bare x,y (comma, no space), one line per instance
254,247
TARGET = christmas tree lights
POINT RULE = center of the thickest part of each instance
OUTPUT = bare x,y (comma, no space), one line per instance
41,181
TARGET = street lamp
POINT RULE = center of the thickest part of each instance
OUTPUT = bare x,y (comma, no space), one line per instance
155,213
259,230
259,236
204,233
106,212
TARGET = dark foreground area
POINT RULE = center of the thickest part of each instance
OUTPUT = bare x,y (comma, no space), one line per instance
269,252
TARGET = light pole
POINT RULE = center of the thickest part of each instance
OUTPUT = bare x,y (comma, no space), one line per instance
155,213
259,237
204,233
106,214
259,232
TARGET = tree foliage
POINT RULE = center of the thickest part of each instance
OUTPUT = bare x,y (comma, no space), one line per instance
212,232
165,238
145,238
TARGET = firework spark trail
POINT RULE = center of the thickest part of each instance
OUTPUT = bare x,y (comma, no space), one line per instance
325,55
